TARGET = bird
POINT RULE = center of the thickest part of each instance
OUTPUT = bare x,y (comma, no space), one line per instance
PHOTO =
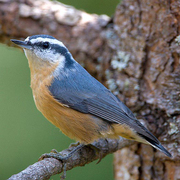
74,101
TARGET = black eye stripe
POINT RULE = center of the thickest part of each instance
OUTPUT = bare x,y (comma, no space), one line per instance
45,45
55,47
42,45
29,43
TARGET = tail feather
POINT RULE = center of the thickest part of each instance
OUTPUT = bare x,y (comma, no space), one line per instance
156,144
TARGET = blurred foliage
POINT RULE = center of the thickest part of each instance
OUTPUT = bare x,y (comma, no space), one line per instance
24,133
94,6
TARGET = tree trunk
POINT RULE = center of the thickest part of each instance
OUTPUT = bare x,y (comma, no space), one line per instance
150,84
136,54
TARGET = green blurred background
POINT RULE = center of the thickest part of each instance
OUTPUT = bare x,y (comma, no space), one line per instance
24,133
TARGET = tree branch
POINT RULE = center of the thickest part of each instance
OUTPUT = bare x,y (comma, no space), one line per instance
83,33
47,167
19,19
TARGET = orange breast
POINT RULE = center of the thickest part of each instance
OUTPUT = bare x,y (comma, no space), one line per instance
79,126
76,125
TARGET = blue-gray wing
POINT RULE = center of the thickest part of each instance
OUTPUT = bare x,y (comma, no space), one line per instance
76,88
80,91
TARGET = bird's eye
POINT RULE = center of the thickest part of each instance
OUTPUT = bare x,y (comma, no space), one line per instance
29,43
45,45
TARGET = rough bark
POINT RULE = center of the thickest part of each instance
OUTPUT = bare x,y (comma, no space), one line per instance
147,32
136,55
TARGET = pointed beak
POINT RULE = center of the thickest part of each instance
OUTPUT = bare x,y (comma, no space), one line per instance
22,44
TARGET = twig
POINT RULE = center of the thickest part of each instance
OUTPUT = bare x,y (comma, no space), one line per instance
47,167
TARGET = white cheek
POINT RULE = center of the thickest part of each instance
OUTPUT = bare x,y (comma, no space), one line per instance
38,56
29,54
46,55
41,55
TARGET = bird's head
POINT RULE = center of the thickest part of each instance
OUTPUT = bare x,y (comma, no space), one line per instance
43,50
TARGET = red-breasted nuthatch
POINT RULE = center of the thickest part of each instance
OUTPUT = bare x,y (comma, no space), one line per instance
70,98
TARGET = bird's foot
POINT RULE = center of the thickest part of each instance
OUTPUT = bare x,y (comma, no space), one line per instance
97,151
57,155
74,144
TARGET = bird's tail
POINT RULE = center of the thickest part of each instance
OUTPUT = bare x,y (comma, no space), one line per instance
156,144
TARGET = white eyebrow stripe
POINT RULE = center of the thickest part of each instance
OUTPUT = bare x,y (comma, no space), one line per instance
27,39
40,39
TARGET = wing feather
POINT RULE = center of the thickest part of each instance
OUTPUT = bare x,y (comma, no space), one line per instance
85,94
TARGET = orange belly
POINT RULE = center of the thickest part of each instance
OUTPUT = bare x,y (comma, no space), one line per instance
82,127
79,126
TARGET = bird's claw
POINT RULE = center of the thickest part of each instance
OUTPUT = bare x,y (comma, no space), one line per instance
55,154
97,151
